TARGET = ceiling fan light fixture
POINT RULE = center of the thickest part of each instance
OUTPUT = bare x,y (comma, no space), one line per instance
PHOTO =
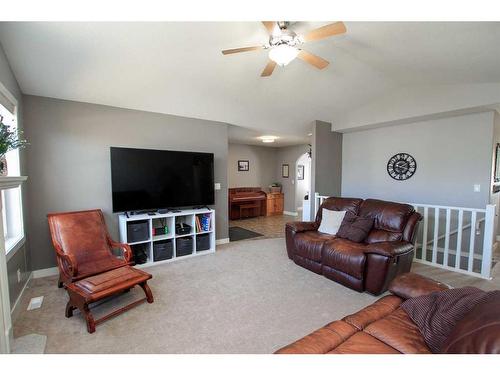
283,54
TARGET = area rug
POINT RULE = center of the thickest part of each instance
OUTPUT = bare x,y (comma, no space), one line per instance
238,234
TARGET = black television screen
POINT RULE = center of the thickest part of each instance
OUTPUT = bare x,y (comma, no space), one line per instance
151,179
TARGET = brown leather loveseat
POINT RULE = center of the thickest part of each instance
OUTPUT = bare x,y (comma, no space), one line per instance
385,328
371,265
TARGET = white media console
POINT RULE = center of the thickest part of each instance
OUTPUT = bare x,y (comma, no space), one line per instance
171,238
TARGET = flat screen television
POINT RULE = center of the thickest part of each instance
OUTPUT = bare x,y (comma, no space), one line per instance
154,179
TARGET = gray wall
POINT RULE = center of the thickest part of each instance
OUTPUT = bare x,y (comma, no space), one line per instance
326,159
20,259
68,160
326,163
289,155
452,155
262,171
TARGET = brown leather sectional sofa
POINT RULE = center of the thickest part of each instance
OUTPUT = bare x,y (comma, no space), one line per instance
385,328
371,265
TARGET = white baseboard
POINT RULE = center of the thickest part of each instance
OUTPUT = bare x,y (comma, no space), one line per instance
222,241
45,272
290,213
16,309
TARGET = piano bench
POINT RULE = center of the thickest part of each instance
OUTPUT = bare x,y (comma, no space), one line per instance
248,207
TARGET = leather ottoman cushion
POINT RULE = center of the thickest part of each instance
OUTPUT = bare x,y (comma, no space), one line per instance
124,277
100,265
345,256
309,244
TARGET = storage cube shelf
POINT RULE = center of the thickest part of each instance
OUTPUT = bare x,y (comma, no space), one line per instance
135,225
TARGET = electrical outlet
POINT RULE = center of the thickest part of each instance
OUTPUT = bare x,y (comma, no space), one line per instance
35,303
18,275
477,188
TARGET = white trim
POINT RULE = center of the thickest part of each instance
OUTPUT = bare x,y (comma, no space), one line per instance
15,247
290,213
222,241
16,309
11,182
37,274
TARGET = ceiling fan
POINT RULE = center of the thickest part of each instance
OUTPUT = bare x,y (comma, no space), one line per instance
284,44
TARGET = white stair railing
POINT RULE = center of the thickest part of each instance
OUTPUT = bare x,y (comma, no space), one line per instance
458,239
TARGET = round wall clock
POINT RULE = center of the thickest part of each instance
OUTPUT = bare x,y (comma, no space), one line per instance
401,166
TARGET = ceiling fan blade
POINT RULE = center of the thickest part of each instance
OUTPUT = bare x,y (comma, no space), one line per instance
325,31
314,60
269,25
268,70
237,50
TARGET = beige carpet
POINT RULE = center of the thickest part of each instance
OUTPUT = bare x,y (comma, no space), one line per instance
248,297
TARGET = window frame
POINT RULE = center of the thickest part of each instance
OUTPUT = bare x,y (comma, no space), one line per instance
14,243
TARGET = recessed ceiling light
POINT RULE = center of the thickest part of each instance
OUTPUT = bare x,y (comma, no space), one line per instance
268,138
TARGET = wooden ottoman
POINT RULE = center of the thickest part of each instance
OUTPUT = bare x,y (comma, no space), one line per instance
95,288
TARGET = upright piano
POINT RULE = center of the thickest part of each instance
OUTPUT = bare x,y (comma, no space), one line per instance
246,202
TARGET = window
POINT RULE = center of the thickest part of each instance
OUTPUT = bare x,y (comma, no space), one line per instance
11,198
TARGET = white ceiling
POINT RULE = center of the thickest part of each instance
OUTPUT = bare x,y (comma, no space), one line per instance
177,68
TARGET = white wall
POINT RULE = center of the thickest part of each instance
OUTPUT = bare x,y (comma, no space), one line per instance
452,155
262,171
418,103
289,155
302,187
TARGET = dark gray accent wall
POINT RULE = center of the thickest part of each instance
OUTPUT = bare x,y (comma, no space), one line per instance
20,259
69,166
326,164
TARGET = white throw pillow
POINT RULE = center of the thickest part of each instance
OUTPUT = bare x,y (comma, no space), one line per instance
330,221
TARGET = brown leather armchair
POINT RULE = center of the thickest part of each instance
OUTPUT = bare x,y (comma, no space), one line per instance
83,245
386,252
87,267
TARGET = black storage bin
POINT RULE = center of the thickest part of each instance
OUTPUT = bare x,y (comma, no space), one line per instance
163,250
140,252
183,228
137,231
202,242
183,246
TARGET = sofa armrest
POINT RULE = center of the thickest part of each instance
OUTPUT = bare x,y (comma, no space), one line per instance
389,248
302,226
411,285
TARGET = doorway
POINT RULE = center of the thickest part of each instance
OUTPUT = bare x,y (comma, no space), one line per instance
302,182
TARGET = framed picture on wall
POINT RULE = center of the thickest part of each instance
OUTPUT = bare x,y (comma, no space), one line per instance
285,170
300,172
243,165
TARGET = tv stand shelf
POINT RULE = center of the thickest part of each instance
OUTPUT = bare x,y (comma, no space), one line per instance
150,242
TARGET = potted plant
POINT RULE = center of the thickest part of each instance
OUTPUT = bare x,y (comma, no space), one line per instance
10,139
275,187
